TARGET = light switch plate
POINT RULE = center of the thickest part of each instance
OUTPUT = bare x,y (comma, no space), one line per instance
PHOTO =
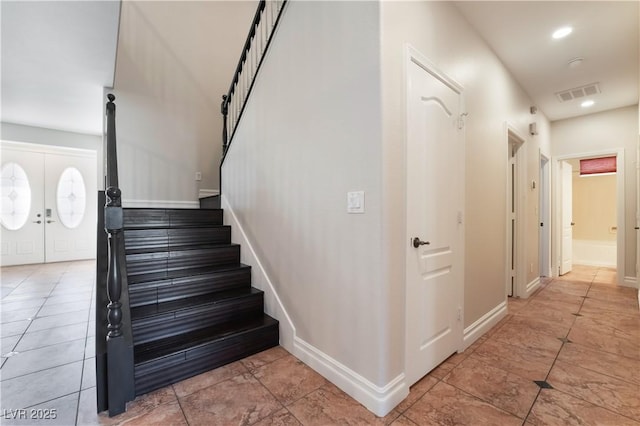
355,202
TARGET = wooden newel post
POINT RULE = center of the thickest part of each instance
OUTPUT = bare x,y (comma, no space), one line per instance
113,222
120,383
224,108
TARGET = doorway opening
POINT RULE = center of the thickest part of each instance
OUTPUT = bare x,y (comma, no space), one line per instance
590,216
515,209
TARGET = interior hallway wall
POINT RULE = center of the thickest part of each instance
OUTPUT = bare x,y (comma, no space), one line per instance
613,129
493,97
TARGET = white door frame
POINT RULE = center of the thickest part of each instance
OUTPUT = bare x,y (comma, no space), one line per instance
544,216
520,284
637,224
57,150
556,209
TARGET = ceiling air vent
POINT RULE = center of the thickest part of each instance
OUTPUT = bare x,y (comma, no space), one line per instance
578,92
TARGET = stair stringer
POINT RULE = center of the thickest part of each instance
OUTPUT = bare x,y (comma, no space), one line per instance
378,399
259,279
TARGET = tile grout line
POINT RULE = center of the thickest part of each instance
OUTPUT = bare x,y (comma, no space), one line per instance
559,350
271,393
575,396
84,352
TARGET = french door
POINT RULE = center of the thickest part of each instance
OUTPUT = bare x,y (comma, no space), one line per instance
48,204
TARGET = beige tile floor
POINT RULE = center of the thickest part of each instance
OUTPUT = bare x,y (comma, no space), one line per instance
580,334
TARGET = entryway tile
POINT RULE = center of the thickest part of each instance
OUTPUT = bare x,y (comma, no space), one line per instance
500,388
239,400
559,409
330,406
35,388
620,367
514,359
39,339
447,405
288,379
40,359
604,391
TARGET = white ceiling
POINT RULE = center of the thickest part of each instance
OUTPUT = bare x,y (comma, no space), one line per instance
56,58
605,34
58,55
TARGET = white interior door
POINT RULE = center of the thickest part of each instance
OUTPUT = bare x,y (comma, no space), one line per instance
22,230
70,214
567,217
48,204
435,200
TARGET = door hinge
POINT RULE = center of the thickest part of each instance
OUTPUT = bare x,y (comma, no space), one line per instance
461,122
459,313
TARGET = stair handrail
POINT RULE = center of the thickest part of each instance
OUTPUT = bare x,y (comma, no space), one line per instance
114,343
263,26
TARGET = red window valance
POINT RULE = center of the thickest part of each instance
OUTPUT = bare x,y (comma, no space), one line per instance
594,166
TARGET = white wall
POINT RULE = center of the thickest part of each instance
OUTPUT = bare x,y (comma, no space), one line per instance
318,126
608,130
310,134
493,97
175,60
40,135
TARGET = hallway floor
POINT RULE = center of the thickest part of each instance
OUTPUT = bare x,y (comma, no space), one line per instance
578,337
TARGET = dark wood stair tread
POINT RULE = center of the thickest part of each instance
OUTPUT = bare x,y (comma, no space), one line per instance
182,247
212,270
197,339
147,218
167,253
191,303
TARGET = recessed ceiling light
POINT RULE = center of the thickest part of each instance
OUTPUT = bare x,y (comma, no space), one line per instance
562,32
575,62
587,104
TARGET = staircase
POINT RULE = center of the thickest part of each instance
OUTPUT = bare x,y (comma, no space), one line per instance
192,305
172,298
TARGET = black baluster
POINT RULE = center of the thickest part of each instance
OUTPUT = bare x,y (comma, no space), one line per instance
224,108
113,226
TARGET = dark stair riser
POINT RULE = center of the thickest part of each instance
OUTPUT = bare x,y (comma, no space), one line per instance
143,240
195,285
167,218
163,371
175,263
193,307
212,202
168,324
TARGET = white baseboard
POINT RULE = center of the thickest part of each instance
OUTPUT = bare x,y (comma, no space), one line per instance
259,278
484,324
160,204
629,282
377,399
204,193
531,288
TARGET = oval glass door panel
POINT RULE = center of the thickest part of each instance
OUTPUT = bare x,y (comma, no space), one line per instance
16,196
71,197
